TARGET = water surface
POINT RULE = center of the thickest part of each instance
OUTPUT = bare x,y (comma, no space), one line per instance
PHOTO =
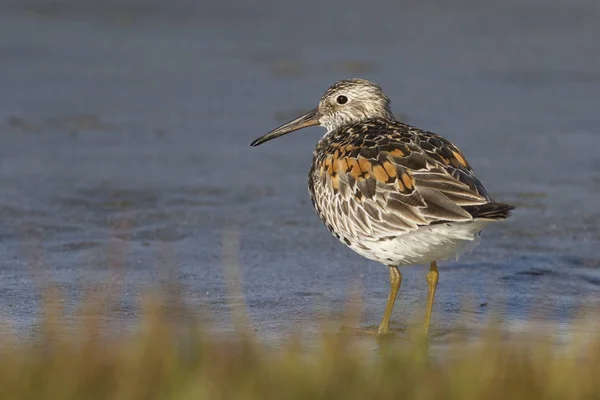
125,130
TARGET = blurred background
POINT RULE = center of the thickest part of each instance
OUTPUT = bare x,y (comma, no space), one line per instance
127,124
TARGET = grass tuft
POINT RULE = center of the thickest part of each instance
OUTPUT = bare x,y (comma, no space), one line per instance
163,359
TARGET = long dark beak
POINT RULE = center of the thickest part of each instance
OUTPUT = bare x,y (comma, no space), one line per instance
311,118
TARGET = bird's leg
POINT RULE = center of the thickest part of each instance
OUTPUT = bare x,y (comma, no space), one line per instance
432,280
395,281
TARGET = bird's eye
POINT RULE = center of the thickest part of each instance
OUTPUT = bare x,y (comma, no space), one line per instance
341,99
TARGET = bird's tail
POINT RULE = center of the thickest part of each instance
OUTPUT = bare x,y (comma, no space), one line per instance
493,211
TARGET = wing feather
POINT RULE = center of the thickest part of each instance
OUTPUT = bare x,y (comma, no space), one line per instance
392,178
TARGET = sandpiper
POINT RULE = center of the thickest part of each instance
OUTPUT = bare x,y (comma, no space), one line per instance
390,191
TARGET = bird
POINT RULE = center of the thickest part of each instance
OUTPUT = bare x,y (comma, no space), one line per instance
392,192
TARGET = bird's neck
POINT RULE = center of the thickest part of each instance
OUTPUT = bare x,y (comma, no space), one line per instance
342,128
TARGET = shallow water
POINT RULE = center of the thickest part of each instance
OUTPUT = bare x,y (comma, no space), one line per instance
126,128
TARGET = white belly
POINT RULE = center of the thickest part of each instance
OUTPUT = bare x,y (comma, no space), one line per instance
424,245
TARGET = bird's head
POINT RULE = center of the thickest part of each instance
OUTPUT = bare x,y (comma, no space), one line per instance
346,102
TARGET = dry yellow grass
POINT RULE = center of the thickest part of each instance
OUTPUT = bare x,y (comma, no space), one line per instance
85,357
162,359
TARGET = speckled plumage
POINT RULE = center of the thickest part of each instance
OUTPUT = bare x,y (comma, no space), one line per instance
376,180
392,192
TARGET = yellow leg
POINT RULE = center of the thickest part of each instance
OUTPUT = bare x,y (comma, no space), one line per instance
432,280
395,282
